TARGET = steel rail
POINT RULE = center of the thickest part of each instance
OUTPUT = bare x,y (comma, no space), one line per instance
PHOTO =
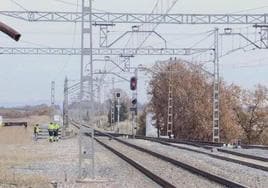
252,165
254,147
207,175
160,181
264,159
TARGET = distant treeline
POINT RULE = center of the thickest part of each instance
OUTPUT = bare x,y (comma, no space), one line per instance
25,111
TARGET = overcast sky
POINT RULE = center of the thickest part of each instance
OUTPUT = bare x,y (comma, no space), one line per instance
26,79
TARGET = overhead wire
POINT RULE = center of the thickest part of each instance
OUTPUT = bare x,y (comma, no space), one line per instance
35,44
73,42
19,5
250,9
203,39
75,4
237,49
157,24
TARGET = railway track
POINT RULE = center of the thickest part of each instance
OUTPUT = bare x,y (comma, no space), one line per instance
229,159
204,145
157,179
264,159
253,160
162,182
254,147
211,177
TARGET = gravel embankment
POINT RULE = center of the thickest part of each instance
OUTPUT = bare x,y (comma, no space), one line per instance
171,173
239,173
59,161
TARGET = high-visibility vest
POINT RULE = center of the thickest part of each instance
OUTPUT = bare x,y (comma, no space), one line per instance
56,126
36,129
51,127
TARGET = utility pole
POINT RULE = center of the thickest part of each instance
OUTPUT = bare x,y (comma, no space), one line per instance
65,107
52,100
86,150
118,111
86,49
52,94
216,90
170,101
99,85
134,101
135,93
112,106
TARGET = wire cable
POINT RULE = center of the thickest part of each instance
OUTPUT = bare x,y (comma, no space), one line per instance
72,44
75,4
250,9
19,5
203,39
157,24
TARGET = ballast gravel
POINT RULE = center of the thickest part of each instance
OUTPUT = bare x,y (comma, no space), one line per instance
58,162
173,174
235,172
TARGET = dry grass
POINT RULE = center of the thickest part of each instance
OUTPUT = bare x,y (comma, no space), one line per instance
21,135
11,179
18,150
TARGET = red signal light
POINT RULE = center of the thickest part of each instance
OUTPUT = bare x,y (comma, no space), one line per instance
133,83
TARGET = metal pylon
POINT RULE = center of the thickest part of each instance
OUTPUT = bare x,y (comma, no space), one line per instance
86,49
112,106
52,97
216,91
86,144
65,107
170,103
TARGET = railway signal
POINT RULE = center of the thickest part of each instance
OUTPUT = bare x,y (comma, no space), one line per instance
118,111
134,101
133,83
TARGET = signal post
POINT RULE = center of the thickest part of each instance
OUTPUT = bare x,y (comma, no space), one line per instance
134,102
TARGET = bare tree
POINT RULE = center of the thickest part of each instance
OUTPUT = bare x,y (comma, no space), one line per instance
192,101
252,112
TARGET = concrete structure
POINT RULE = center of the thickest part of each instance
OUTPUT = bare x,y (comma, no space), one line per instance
151,130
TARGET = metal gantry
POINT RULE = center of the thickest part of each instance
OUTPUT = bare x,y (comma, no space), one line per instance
100,51
138,18
106,19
